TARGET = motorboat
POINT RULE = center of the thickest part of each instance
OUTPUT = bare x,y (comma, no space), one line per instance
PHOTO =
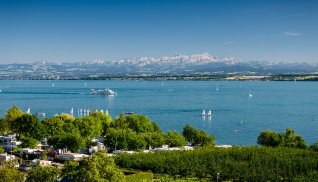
106,91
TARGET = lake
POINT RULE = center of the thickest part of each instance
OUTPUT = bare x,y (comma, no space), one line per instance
237,117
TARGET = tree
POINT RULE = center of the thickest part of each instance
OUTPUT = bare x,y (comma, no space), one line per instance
314,146
105,119
43,174
155,139
8,172
70,140
88,126
269,138
287,139
12,114
4,126
203,139
2,151
28,142
190,133
291,139
54,126
29,126
135,141
99,167
174,139
116,139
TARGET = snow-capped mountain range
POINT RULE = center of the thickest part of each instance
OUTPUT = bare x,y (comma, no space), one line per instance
168,65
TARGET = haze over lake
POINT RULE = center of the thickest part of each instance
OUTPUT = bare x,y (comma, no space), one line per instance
237,117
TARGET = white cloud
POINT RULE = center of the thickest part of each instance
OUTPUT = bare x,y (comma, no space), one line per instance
292,34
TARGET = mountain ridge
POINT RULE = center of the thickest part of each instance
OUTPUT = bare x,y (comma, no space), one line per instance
202,63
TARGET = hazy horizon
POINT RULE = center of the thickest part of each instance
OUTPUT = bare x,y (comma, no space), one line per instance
80,31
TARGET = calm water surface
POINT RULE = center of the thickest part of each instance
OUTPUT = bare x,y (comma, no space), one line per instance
237,118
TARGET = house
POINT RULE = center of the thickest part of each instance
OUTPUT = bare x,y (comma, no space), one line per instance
41,162
6,157
28,151
71,156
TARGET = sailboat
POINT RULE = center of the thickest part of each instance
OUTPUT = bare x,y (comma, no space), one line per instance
72,111
203,113
217,88
210,113
28,111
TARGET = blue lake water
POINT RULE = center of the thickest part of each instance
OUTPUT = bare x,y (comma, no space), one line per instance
237,118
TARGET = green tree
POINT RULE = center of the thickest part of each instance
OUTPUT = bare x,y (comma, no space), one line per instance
8,172
287,139
98,168
4,126
190,133
116,139
29,126
174,139
105,119
28,142
291,139
203,139
54,126
135,141
2,151
315,146
269,138
155,139
43,174
70,140
12,114
89,127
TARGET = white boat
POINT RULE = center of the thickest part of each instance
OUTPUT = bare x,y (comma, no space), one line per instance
250,95
42,114
72,111
210,113
203,113
217,88
28,111
106,91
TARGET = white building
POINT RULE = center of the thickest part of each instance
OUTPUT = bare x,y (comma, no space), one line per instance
6,157
71,156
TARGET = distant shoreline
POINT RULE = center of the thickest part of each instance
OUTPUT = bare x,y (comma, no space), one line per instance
291,77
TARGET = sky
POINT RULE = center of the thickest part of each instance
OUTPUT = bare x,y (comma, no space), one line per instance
78,30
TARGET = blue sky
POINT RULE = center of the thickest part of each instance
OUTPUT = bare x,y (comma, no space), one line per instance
70,30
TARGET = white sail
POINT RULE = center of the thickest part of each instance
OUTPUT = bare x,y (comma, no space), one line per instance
210,113
203,113
217,88
28,111
72,111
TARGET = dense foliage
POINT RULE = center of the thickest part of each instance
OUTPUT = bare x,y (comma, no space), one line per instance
99,168
287,139
197,137
10,173
238,163
43,174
